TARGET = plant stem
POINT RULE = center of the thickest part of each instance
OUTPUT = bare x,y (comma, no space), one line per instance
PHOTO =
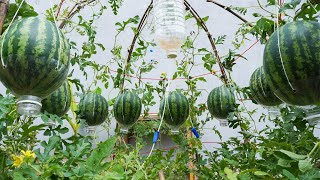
203,25
4,8
74,10
260,5
130,51
300,12
230,11
314,149
59,9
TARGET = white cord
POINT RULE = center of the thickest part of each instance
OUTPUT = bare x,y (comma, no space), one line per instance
312,6
278,36
4,35
163,111
260,80
60,39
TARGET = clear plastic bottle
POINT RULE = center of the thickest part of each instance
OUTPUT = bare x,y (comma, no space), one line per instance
170,30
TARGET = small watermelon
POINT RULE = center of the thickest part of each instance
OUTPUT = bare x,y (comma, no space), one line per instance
93,108
221,102
296,78
127,108
177,109
59,101
35,56
261,91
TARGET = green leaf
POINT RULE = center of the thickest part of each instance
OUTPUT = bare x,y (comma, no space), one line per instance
314,174
304,165
138,175
230,174
285,163
289,155
98,90
100,153
261,173
48,147
112,175
288,174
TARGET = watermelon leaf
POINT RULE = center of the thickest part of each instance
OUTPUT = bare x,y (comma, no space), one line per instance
48,147
100,153
304,165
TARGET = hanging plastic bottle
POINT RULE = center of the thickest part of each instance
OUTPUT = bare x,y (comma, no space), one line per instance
169,25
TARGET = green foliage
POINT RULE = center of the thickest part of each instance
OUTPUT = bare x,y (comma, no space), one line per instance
26,10
285,149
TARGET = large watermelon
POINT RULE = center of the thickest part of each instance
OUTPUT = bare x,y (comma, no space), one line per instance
177,109
127,108
59,101
296,79
261,91
35,57
93,108
221,102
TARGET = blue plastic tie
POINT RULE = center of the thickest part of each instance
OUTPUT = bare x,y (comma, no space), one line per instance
155,136
195,132
151,50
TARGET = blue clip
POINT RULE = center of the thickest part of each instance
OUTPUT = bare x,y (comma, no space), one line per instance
151,50
155,136
195,132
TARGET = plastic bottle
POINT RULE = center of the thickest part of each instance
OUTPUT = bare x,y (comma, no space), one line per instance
170,25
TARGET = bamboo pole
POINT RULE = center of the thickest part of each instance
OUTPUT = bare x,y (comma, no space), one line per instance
4,8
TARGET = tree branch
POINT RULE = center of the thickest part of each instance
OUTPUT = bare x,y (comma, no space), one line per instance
130,51
59,8
230,11
74,10
142,21
4,7
203,25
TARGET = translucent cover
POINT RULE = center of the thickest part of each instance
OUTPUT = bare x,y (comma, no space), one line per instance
170,25
29,105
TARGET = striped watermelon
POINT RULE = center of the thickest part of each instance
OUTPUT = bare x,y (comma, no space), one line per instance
296,79
221,102
93,108
260,90
59,101
177,109
127,108
35,57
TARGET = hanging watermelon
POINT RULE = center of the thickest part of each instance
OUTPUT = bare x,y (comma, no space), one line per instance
59,101
127,109
294,77
260,90
176,111
221,102
93,108
34,61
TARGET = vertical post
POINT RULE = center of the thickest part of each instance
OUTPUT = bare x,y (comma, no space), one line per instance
161,175
4,7
191,156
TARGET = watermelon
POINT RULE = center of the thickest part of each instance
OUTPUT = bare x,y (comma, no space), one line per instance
260,90
177,109
93,108
296,79
35,56
59,101
127,108
221,102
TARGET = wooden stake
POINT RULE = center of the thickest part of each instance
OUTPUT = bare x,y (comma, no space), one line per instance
161,175
4,8
191,156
